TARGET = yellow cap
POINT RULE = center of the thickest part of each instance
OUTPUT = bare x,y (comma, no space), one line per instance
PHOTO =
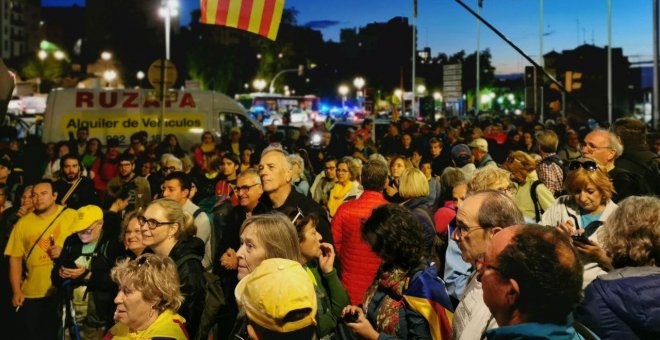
273,290
87,215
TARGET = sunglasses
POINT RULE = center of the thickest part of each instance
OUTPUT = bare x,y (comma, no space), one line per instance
586,165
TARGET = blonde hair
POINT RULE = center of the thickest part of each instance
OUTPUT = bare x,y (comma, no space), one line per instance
580,178
278,235
354,167
520,162
154,276
174,213
631,235
124,223
547,141
413,183
490,177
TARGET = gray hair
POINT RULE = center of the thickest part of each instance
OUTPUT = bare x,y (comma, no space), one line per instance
497,210
296,159
614,141
250,172
276,147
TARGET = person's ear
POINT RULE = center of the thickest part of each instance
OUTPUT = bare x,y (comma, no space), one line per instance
512,292
252,333
494,230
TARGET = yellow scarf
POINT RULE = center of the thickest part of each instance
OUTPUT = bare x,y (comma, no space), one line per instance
337,195
168,325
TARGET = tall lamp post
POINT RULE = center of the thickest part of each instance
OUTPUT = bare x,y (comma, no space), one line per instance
168,9
359,84
343,91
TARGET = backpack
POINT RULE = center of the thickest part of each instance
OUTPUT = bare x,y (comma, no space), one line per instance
214,298
216,209
538,211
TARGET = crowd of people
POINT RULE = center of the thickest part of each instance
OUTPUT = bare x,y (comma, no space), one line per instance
497,227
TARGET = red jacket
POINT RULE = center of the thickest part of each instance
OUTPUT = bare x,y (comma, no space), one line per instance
359,264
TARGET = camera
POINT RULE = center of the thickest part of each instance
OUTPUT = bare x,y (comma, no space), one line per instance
350,318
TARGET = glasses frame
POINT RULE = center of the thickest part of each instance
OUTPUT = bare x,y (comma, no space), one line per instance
299,214
151,223
586,165
246,188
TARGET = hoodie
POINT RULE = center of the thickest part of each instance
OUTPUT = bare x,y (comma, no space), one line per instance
187,254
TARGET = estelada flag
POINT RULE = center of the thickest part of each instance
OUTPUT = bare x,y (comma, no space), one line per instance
257,16
428,296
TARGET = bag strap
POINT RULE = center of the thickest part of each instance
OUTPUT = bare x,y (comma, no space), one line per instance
42,234
535,199
197,212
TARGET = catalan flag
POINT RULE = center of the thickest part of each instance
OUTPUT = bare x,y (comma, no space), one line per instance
428,296
257,16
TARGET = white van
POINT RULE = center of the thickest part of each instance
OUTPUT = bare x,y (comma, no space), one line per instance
120,113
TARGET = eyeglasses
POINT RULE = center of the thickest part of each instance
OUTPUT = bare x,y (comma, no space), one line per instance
463,230
151,223
299,214
246,188
88,231
586,165
169,169
482,266
591,146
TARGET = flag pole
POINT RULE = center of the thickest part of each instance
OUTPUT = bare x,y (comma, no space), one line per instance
414,60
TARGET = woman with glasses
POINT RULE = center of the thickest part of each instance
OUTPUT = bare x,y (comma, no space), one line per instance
168,231
82,272
530,195
148,299
319,260
347,185
589,200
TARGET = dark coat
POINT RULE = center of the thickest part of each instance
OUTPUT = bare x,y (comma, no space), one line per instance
85,194
191,277
623,304
108,250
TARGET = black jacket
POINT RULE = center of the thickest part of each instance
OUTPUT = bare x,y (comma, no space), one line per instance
84,194
307,205
187,254
108,250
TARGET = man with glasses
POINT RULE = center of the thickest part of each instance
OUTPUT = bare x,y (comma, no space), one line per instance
82,272
532,279
72,172
482,215
168,164
605,147
139,191
325,181
177,186
37,239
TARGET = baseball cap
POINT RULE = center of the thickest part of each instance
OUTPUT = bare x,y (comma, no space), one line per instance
460,152
87,215
480,144
274,289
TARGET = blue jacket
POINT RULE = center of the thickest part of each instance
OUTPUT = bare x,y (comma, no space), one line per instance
623,304
534,331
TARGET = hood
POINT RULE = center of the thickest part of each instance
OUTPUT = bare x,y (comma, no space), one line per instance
187,245
418,202
633,295
533,331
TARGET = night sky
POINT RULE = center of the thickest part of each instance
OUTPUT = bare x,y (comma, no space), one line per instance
446,27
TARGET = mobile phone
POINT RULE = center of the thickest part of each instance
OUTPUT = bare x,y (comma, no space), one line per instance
69,264
580,239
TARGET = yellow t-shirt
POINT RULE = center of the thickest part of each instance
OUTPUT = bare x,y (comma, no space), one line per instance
39,265
168,325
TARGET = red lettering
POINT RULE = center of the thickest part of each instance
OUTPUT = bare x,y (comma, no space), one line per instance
187,100
131,99
86,98
106,102
151,103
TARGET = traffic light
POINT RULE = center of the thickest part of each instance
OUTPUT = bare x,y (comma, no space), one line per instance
573,81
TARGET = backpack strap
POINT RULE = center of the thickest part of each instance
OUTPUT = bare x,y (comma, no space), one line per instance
197,212
535,199
185,259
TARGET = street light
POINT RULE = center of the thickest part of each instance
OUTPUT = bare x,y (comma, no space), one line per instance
358,82
343,91
168,9
42,54
421,89
59,55
109,76
259,84
106,56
